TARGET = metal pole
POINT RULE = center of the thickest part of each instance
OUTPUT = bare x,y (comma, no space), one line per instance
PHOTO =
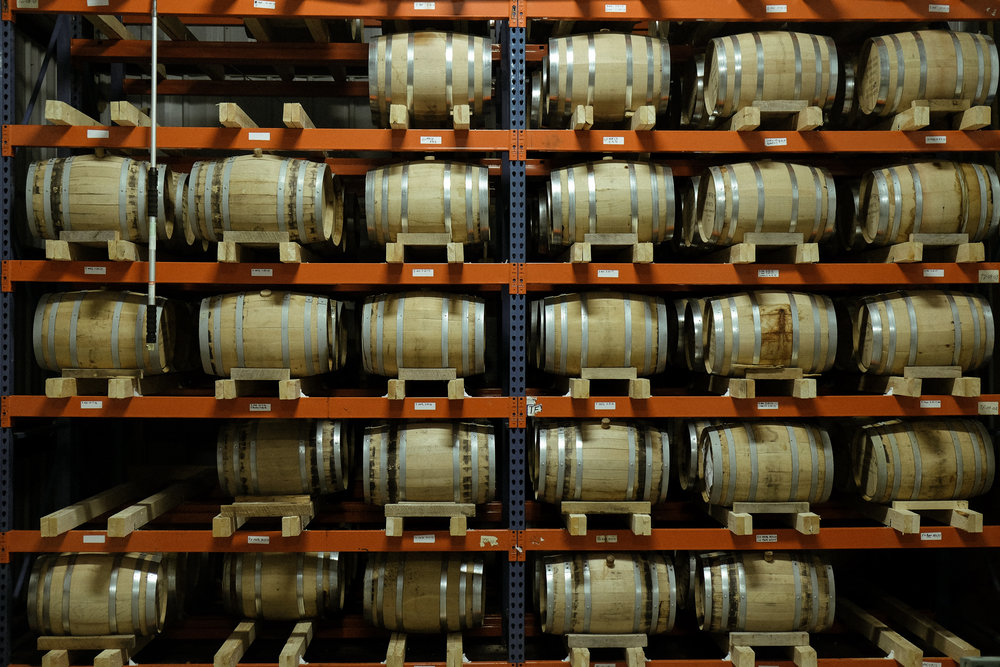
153,201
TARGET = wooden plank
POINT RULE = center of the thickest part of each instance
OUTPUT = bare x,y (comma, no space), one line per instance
453,649
426,374
68,518
293,115
773,238
780,107
295,648
879,633
608,373
975,118
929,372
85,642
110,26
127,114
918,505
260,374
461,117
275,507
914,118
236,646
768,639
138,515
804,656
109,657
395,655
318,30
56,658
744,120
231,115
593,507
738,523
808,119
60,113
574,640
423,238
643,119
770,508
399,117
582,118
414,509
175,29
611,239
928,631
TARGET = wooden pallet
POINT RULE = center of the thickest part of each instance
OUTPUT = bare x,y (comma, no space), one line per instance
961,114
575,514
741,645
905,515
794,115
399,117
780,248
456,513
638,388
640,120
251,382
395,655
954,248
778,381
113,650
238,643
739,518
395,252
918,380
295,511
579,646
455,384
905,652
75,246
115,383
235,246
582,253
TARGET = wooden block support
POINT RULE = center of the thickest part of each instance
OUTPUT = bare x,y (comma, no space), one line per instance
744,120
579,657
635,657
399,117
808,119
456,389
109,657
56,658
461,117
582,118
742,656
931,633
396,390
138,515
804,656
453,649
879,633
914,118
625,640
579,388
639,389
394,526
974,118
396,653
294,116
231,115
236,646
318,30
68,518
643,119
110,26
295,648
60,113
87,642
738,523
576,524
127,114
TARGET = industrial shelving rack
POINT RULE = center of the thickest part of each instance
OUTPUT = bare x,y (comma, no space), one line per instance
513,276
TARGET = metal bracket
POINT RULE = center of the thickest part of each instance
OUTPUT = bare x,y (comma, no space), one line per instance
517,285
8,150
517,553
518,147
4,554
517,14
519,418
5,412
6,285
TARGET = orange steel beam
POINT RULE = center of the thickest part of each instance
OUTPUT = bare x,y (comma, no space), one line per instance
239,139
821,662
762,407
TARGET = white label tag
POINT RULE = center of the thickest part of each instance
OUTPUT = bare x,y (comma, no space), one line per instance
605,405
989,276
425,405
989,408
98,134
423,273
614,141
423,5
258,539
606,539
95,271
767,405
615,9
423,539
939,9
263,4
261,273
27,4
488,541
260,407
94,539
930,404
607,273
935,139
602,664
91,405
97,3
767,537
931,664
534,407
258,136
434,141
775,141
768,273
931,536
933,273
775,9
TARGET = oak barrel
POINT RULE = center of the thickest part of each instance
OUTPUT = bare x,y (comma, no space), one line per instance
765,462
602,330
97,594
770,66
424,592
606,593
283,457
920,328
301,332
900,68
429,462
693,113
689,351
850,215
430,73
687,434
764,197
428,197
594,461
99,329
940,459
930,198
768,329
90,193
283,586
764,592
265,193
423,330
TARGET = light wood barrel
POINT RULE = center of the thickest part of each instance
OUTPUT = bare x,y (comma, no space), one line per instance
423,330
283,586
921,328
850,222
930,198
765,462
943,459
589,460
607,593
97,594
770,65
689,350
98,329
764,592
610,197
900,68
603,330
266,193
588,70
424,592
283,457
429,462
430,73
87,193
301,332
687,434
428,197
769,328
693,113
764,197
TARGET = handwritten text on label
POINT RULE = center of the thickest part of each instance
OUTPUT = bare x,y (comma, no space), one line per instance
933,273
767,405
260,407
607,273
776,9
425,405
263,4
27,4
930,404
606,539
605,405
776,141
615,9
423,5
935,139
614,141
989,408
768,273
989,276
423,273
261,273
767,537
431,141
931,536
258,539
95,271
258,136
939,9
423,539
97,3
91,405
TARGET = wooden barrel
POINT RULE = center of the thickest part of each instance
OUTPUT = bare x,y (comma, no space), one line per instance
603,330
610,197
424,592
930,198
588,70
770,66
764,592
689,351
594,461
687,434
607,593
693,113
283,586
87,193
942,459
301,332
428,197
850,223
921,328
430,73
688,198
282,457
769,328
266,193
903,67
764,197
765,462
440,331
429,462
98,329
97,594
